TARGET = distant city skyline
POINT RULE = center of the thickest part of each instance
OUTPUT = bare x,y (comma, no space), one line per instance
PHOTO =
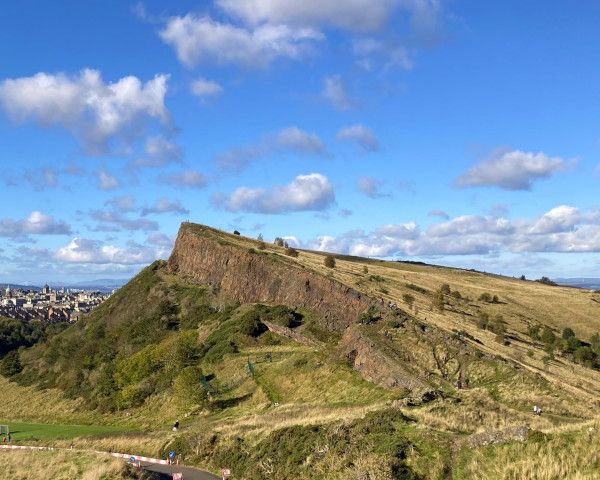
457,133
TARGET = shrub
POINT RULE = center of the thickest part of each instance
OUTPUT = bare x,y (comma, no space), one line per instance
262,245
495,299
365,269
187,389
235,232
251,325
377,278
483,320
369,316
547,281
456,295
568,333
408,299
438,301
416,288
548,336
11,364
445,289
291,251
585,356
534,331
329,261
485,297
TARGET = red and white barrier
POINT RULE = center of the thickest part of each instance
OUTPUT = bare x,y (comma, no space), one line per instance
127,456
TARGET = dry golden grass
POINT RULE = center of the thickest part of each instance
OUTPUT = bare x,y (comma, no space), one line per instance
563,456
44,465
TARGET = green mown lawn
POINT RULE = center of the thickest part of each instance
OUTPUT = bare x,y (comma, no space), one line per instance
21,432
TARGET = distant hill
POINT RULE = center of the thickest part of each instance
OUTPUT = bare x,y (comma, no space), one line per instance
281,364
591,283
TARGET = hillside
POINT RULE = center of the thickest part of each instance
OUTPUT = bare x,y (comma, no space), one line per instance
280,366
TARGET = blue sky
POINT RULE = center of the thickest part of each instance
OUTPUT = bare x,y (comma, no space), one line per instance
462,133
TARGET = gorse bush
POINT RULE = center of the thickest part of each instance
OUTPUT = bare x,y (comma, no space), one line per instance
329,261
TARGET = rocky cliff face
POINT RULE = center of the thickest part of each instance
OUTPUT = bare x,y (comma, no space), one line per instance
252,276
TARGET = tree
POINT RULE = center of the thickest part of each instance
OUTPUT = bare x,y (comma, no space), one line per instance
11,364
585,356
280,242
523,277
291,251
329,261
260,237
188,389
235,232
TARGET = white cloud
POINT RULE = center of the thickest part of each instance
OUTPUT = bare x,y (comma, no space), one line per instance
201,87
311,192
287,140
81,250
371,187
160,151
364,136
125,203
357,15
512,170
101,115
294,139
334,91
561,229
37,223
198,39
106,181
115,221
187,178
165,205
160,239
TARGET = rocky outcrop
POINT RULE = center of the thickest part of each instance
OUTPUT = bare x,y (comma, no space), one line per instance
374,364
292,335
512,434
249,276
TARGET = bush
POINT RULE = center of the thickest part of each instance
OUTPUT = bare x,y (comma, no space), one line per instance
438,301
547,281
369,316
445,289
485,297
408,299
251,325
416,288
11,364
534,331
187,389
235,232
456,295
291,251
365,269
585,356
568,333
483,320
548,336
329,261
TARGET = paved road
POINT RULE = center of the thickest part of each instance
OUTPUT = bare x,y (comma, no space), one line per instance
188,472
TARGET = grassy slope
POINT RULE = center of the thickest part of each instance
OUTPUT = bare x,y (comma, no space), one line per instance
313,387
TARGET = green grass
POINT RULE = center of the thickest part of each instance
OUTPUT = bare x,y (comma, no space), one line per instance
23,432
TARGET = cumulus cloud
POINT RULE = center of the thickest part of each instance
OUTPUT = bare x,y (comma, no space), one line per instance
106,181
160,151
125,203
364,136
81,250
356,15
312,192
512,170
187,178
37,223
287,140
99,114
198,39
160,239
371,187
561,229
203,88
334,91
110,220
165,205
